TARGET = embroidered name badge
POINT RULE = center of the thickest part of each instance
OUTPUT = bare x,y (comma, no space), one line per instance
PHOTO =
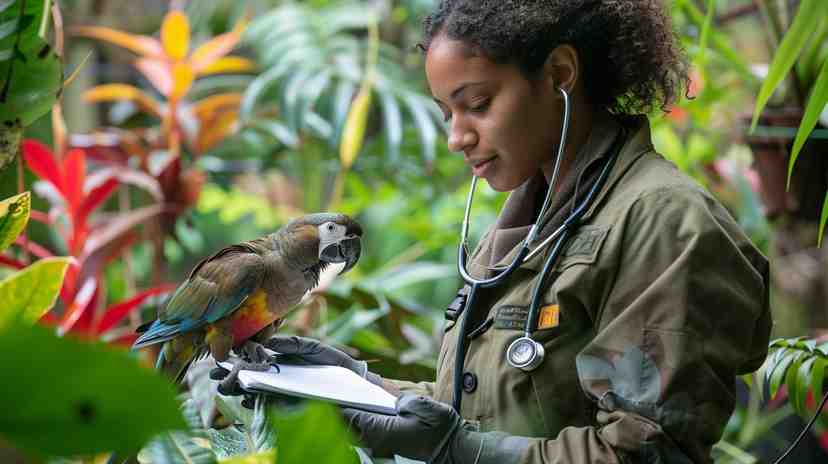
511,317
550,317
585,242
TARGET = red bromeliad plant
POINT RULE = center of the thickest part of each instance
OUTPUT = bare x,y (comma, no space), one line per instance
92,242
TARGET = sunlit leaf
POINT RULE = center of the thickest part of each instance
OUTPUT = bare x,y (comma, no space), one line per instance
267,457
818,376
91,388
229,64
296,446
780,370
180,448
209,52
216,130
14,215
206,108
183,77
29,294
158,72
140,44
114,92
803,383
175,35
816,104
808,15
353,135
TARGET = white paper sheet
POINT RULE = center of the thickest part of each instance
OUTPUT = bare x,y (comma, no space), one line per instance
327,383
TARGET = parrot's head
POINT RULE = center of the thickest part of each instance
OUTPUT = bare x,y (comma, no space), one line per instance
335,237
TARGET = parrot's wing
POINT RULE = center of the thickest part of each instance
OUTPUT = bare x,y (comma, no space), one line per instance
216,287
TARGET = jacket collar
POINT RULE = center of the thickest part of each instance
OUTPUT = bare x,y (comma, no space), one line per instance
503,242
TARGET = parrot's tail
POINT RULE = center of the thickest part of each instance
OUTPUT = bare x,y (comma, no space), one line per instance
176,356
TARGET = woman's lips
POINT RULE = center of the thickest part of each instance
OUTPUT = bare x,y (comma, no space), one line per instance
481,169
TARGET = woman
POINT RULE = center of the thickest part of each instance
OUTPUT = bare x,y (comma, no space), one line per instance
658,300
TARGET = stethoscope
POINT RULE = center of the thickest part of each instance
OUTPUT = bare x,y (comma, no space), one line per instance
524,353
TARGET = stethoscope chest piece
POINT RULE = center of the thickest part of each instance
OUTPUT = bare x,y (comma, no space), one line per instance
525,354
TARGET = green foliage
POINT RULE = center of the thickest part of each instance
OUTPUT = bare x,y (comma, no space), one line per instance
799,364
314,62
28,294
31,71
64,397
314,433
14,215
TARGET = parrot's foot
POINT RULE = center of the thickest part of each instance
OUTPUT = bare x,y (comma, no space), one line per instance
255,358
229,385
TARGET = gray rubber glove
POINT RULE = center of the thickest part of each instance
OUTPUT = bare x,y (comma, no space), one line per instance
427,430
301,350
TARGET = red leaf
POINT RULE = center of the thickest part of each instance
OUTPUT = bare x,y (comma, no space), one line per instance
117,312
96,197
11,262
126,340
40,161
74,172
79,306
118,226
40,216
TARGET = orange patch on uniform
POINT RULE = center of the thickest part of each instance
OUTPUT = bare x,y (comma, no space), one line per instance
550,316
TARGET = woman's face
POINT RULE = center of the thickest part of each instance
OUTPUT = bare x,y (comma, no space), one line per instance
506,126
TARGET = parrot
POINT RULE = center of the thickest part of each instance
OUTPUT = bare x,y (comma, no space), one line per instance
236,298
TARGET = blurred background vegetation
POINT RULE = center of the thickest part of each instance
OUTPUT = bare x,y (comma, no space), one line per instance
191,125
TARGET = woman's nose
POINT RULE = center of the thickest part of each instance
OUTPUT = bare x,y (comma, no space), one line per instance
460,139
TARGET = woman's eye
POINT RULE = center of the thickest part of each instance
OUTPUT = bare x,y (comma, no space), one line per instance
479,107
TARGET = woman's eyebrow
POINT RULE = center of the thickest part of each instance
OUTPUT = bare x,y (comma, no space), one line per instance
458,92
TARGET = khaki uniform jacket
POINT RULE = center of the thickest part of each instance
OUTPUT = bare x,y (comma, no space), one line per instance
658,301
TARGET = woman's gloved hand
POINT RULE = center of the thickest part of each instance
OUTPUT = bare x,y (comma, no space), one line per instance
422,428
427,430
301,350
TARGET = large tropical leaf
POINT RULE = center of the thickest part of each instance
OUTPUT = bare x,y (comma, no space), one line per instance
70,397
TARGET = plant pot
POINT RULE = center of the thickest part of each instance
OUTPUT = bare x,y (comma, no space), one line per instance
771,146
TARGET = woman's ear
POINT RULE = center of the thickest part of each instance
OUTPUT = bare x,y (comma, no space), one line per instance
562,67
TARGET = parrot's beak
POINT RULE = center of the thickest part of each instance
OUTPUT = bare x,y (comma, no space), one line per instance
345,251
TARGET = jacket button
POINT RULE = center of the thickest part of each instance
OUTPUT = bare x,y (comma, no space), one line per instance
469,382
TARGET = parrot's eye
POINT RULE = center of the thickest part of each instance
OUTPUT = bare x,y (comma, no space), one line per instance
330,227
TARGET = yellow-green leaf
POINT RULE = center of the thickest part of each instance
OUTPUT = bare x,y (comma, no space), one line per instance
140,44
353,135
111,92
815,106
807,18
14,214
266,457
28,294
175,35
229,64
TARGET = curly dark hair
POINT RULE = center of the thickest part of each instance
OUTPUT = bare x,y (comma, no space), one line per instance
631,58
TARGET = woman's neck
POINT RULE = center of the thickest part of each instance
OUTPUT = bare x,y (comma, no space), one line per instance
580,126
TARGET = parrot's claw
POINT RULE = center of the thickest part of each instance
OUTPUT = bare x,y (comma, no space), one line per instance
230,385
